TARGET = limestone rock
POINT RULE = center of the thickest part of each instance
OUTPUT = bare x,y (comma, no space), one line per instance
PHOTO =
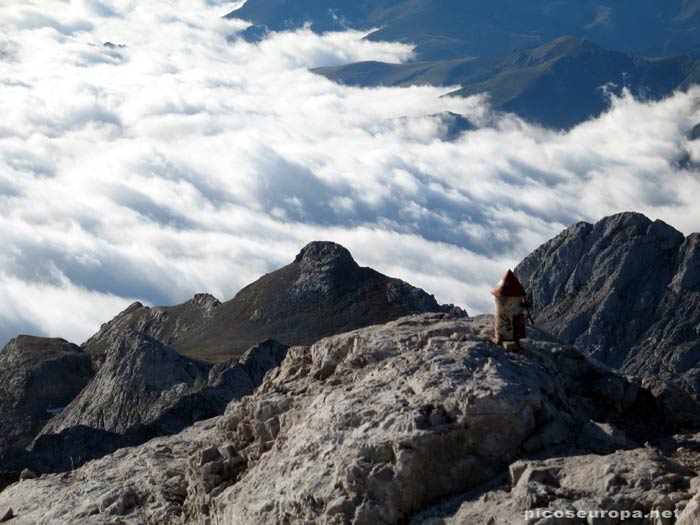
26,474
420,419
6,514
373,425
144,484
604,438
640,480
143,390
626,290
138,380
691,513
143,383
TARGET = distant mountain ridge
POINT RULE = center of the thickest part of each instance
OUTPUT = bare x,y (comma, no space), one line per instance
551,62
558,84
445,29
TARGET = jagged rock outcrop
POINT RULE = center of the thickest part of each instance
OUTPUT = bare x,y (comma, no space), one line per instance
164,323
38,377
147,386
627,290
144,385
139,379
377,426
323,292
143,389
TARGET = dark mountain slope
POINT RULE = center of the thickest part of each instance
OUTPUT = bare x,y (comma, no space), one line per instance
444,29
323,292
625,289
558,84
37,375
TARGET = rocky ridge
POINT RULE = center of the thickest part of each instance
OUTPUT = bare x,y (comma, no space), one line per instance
627,290
322,292
422,419
164,323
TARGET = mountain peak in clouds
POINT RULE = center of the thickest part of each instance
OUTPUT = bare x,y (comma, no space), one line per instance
322,292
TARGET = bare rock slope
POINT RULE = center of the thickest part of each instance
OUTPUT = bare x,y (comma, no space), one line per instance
413,420
143,383
626,290
143,389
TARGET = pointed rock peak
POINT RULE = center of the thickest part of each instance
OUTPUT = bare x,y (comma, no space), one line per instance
132,307
509,286
664,235
205,299
324,253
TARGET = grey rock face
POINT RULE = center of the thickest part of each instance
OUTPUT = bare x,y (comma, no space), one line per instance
627,290
145,484
377,426
37,375
138,380
145,386
143,390
640,480
322,293
164,323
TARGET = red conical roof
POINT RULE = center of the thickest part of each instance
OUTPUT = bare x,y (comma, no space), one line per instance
509,286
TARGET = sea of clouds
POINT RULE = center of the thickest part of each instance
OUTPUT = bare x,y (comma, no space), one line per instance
191,160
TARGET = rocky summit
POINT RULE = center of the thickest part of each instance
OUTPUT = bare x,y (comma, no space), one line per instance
322,292
627,290
421,420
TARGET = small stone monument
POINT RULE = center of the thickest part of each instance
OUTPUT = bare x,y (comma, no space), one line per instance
511,310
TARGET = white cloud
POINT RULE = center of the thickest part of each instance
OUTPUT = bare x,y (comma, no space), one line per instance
190,161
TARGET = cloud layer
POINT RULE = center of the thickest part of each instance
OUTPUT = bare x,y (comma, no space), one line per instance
191,161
